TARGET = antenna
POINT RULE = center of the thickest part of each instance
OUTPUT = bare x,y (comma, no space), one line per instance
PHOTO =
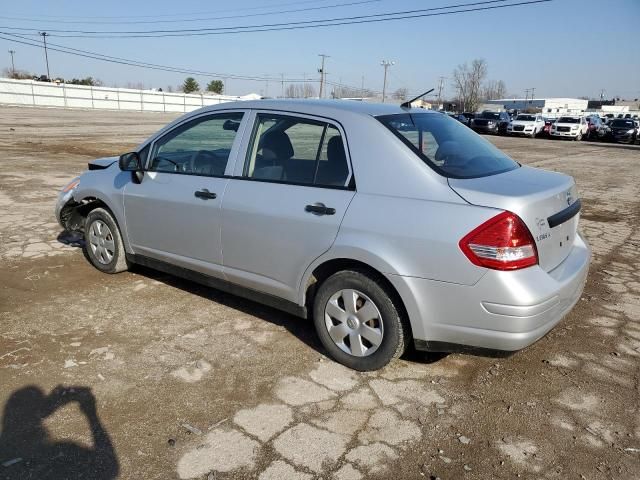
408,103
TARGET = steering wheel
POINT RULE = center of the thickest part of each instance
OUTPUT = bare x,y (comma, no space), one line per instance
197,155
176,167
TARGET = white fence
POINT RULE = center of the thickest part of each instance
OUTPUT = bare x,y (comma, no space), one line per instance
44,94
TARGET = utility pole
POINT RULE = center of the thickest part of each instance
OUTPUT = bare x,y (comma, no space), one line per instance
362,89
46,56
533,93
282,84
13,66
440,85
526,97
602,95
322,73
386,64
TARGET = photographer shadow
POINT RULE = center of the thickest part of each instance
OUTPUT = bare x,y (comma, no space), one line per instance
28,451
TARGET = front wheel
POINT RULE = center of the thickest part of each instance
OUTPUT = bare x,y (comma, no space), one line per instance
359,321
578,137
102,242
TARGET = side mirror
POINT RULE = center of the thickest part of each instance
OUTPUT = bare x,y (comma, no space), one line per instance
130,162
231,125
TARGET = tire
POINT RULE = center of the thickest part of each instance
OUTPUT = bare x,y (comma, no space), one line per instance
387,326
103,243
533,134
578,137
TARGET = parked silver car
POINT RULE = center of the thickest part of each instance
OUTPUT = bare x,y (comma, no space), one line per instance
387,225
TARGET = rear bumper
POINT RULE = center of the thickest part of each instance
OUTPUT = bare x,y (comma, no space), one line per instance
503,311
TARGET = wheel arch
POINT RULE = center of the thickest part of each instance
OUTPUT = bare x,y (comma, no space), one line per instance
85,203
325,267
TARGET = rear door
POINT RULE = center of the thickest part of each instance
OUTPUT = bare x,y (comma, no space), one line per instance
174,214
284,206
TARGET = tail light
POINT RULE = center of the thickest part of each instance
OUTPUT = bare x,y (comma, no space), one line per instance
501,243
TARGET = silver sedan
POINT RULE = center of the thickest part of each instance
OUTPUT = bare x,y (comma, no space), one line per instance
389,226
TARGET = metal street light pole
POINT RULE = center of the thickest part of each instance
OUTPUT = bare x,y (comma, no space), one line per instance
386,64
13,67
46,55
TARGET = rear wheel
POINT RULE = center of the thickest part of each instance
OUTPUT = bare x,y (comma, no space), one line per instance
102,242
359,321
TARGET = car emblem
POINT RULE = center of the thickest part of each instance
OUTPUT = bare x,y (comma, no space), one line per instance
541,223
569,198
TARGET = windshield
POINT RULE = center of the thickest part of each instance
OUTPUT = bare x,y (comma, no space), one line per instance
526,118
489,115
568,120
449,147
622,123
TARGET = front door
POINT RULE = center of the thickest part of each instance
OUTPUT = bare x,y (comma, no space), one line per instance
174,213
283,210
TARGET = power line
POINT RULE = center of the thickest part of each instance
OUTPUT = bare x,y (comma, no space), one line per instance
134,63
361,19
174,14
201,19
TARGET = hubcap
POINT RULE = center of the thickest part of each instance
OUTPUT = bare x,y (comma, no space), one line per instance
101,242
354,322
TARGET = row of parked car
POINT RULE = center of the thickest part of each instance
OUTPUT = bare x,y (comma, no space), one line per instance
624,129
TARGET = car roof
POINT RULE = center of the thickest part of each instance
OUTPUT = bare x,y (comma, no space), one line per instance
315,106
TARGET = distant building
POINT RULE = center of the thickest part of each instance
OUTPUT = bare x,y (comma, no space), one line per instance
544,105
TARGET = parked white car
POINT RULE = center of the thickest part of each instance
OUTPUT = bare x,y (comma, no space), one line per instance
571,127
526,124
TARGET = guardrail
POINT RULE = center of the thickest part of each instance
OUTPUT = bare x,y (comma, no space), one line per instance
45,94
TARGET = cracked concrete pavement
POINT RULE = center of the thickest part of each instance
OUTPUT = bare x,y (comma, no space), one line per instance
190,383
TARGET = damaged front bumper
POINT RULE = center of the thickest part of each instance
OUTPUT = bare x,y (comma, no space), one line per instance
66,209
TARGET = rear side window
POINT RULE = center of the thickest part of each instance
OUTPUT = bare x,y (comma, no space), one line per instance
446,145
297,150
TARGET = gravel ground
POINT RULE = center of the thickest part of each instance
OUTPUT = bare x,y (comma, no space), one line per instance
142,375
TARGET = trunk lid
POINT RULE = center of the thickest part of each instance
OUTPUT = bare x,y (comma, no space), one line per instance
535,196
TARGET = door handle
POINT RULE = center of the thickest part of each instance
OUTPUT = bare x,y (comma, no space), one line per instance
320,209
205,194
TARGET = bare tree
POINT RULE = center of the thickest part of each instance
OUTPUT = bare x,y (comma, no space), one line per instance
343,91
494,89
299,90
17,74
467,81
309,90
401,94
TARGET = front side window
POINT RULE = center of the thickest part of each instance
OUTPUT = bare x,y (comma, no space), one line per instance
297,150
199,147
448,146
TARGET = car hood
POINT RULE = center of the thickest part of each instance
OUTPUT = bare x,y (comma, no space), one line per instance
102,163
622,129
526,123
558,124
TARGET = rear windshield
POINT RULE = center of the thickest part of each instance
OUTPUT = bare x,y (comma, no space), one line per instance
449,147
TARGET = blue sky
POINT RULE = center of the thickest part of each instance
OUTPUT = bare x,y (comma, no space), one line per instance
562,48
